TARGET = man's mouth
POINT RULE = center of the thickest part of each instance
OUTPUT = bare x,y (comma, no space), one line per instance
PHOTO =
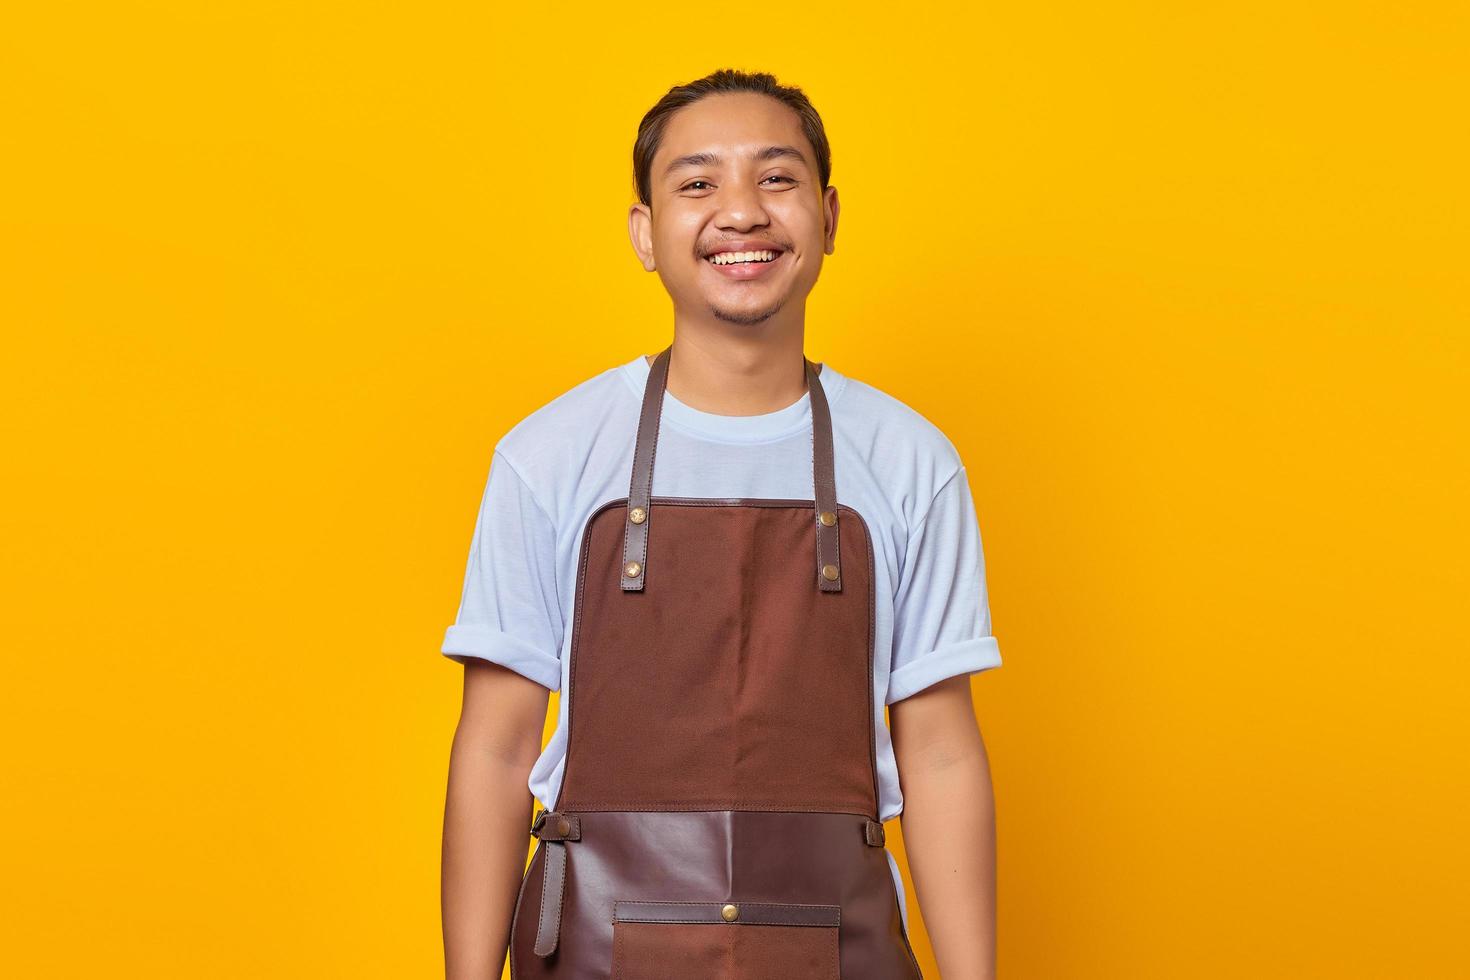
742,258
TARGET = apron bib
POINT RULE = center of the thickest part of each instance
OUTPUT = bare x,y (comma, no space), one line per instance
718,812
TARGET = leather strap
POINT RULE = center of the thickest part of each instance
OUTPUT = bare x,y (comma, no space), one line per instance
557,826
640,512
824,484
554,830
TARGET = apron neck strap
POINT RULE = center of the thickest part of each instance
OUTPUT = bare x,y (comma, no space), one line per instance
824,480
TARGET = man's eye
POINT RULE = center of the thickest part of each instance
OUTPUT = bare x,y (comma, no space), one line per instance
694,185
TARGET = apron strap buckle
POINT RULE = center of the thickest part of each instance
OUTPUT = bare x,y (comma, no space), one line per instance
873,833
551,826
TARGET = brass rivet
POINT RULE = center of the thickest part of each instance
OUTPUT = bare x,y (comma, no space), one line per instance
729,913
829,572
637,515
827,518
563,826
632,569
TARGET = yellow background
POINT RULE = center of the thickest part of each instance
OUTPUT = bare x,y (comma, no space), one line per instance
1185,286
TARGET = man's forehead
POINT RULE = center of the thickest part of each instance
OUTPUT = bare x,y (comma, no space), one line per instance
733,127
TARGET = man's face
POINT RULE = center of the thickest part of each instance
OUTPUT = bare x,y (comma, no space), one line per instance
734,173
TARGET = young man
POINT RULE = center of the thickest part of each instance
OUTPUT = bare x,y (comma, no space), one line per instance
725,627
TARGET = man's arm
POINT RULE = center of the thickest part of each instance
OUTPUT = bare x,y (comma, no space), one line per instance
487,816
948,824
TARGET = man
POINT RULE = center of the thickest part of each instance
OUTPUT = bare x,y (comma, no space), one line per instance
726,626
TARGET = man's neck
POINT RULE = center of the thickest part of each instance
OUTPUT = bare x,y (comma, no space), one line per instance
715,386
648,359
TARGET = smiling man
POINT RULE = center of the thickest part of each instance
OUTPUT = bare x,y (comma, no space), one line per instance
725,628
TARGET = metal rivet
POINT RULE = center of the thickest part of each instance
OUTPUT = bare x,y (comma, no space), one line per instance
827,518
637,515
632,569
563,826
829,572
729,913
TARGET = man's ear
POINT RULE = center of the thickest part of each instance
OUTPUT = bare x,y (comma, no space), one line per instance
640,233
830,208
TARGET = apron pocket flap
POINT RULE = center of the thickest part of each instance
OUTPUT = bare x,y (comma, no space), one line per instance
737,940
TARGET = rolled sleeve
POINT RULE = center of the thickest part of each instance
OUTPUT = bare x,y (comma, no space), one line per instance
485,643
967,657
509,612
942,607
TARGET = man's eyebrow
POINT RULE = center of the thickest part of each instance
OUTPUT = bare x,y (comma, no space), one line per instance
707,159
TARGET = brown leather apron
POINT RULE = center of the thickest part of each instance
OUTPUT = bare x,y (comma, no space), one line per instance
718,813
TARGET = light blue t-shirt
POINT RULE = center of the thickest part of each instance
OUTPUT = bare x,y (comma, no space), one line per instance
575,453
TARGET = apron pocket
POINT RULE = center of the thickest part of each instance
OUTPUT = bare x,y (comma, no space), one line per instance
724,940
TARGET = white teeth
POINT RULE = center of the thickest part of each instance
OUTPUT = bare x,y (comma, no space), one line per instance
730,258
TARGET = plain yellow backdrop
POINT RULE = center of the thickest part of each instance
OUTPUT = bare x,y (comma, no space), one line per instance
1186,287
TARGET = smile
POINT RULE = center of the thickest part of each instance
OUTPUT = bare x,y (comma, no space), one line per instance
738,258
746,266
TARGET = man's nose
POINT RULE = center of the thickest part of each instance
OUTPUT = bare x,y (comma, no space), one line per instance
740,207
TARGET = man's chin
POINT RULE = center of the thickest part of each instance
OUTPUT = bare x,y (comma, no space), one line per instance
747,316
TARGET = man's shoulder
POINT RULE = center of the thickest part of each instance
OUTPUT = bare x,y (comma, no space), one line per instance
894,429
567,424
